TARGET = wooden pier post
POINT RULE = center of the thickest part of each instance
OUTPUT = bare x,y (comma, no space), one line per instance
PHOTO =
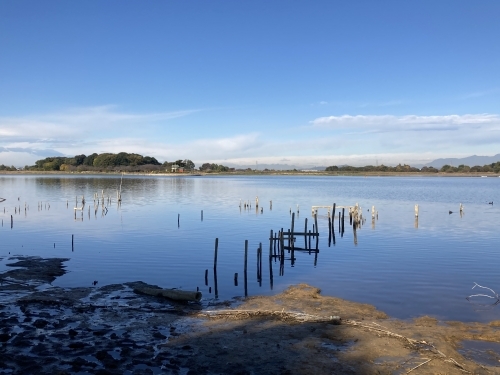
271,244
215,253
72,242
333,216
236,279
305,234
206,277
293,222
178,220
201,215
343,219
271,266
245,269
416,210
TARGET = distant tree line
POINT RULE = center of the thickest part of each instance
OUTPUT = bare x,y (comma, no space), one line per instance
96,162
494,167
211,167
6,168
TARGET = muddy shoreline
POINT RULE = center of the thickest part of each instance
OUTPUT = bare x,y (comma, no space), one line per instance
115,330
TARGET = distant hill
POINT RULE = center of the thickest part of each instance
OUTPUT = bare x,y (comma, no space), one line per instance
469,160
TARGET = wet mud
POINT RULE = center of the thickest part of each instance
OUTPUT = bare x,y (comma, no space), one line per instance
115,330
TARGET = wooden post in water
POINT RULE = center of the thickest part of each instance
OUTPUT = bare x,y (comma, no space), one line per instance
316,221
333,217
271,263
215,253
416,210
305,234
293,221
236,279
72,242
201,215
215,267
11,221
178,220
206,277
343,219
271,244
270,205
245,268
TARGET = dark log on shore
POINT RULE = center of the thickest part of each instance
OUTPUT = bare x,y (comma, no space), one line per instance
174,294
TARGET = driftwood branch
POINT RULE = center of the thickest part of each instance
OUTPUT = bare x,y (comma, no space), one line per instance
281,315
414,368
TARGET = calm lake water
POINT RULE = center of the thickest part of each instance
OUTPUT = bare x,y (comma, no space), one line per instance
404,269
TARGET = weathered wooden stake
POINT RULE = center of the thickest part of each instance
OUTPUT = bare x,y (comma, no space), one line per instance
245,279
215,253
201,215
72,242
236,279
343,219
206,277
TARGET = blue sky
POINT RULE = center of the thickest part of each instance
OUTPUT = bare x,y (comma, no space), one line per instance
239,82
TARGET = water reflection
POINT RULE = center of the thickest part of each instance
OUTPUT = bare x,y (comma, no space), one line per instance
141,241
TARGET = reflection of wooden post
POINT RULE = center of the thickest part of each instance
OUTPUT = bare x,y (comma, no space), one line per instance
416,222
416,210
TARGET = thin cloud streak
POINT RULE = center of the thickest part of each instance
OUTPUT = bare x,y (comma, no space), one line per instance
76,123
403,122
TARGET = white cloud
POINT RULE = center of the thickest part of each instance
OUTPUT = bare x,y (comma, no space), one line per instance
348,139
402,123
77,123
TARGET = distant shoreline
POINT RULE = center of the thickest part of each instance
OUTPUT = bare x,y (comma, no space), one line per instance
260,173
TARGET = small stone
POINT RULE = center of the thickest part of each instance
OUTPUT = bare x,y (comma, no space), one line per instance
40,323
77,345
159,335
72,333
4,337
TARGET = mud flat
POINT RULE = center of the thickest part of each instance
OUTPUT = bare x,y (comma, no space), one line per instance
115,330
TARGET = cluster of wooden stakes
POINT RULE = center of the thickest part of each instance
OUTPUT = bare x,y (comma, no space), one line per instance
282,245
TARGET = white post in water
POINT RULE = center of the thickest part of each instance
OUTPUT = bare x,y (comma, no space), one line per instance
416,210
256,202
373,212
461,207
